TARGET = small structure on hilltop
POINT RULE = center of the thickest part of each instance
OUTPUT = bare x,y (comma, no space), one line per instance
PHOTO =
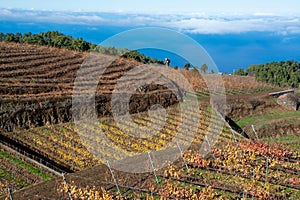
289,100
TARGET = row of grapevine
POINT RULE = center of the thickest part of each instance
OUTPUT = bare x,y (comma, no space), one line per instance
17,172
235,172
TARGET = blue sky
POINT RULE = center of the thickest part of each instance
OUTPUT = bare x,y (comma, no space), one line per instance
160,6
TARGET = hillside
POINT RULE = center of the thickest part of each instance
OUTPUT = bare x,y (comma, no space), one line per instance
36,85
233,85
36,90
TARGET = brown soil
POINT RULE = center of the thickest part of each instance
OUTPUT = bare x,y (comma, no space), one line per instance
36,85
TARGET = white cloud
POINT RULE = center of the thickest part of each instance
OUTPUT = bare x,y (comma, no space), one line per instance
192,22
264,14
219,25
51,16
5,12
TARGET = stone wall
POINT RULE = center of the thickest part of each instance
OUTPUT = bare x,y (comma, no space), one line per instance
289,101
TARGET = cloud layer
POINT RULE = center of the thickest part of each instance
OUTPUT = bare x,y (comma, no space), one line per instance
200,23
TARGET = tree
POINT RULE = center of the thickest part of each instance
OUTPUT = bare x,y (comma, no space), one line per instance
10,37
18,37
176,67
38,39
187,66
204,68
80,45
27,38
240,72
284,73
62,41
141,57
2,36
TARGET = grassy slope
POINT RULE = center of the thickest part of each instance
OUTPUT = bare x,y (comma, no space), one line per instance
250,120
279,128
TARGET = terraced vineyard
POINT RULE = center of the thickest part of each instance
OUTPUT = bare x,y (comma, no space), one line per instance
231,170
232,84
17,172
62,143
36,84
248,169
36,88
30,71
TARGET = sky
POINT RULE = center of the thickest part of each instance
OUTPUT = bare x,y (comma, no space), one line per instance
159,6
